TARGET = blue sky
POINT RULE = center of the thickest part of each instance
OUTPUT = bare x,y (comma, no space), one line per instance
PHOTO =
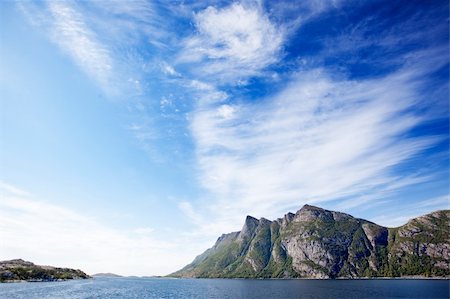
134,133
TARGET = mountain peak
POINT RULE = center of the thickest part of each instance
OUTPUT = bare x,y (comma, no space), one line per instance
310,213
250,225
250,218
308,206
264,220
311,208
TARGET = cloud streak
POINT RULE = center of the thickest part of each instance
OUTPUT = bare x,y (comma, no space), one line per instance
319,139
89,33
391,219
71,33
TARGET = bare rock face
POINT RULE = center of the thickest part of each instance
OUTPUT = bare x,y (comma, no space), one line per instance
376,235
308,257
441,250
249,228
409,231
286,219
258,254
318,243
308,270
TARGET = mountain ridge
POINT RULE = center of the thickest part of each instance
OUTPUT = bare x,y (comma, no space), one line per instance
318,243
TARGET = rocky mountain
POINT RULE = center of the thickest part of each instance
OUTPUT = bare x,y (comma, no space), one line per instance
317,243
20,270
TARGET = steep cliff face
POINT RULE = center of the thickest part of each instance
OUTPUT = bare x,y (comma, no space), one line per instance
317,243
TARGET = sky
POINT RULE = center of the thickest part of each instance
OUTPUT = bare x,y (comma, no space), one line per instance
134,133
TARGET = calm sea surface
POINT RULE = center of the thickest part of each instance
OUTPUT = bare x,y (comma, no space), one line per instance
227,288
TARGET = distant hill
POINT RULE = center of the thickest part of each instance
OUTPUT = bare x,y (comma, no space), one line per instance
317,243
106,275
20,270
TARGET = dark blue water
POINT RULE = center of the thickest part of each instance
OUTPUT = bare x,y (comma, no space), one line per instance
227,288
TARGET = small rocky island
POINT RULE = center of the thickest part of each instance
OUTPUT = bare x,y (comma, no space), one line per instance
19,270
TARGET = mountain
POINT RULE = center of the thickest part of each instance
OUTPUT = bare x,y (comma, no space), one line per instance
106,275
317,243
20,270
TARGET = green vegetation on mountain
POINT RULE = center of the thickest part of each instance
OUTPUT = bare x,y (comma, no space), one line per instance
317,243
20,270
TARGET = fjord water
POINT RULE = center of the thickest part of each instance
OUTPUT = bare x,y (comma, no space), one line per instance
227,288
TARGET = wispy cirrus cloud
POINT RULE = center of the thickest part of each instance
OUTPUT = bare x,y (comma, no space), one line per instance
118,45
319,139
12,190
67,27
71,33
392,219
90,33
293,14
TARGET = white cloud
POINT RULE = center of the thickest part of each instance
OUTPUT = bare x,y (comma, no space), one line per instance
71,33
383,188
232,42
10,189
49,234
393,220
410,211
226,112
169,70
205,92
139,11
187,208
90,32
164,103
319,139
144,230
199,85
440,202
296,13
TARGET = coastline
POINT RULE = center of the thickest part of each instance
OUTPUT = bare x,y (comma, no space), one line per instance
308,278
41,280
